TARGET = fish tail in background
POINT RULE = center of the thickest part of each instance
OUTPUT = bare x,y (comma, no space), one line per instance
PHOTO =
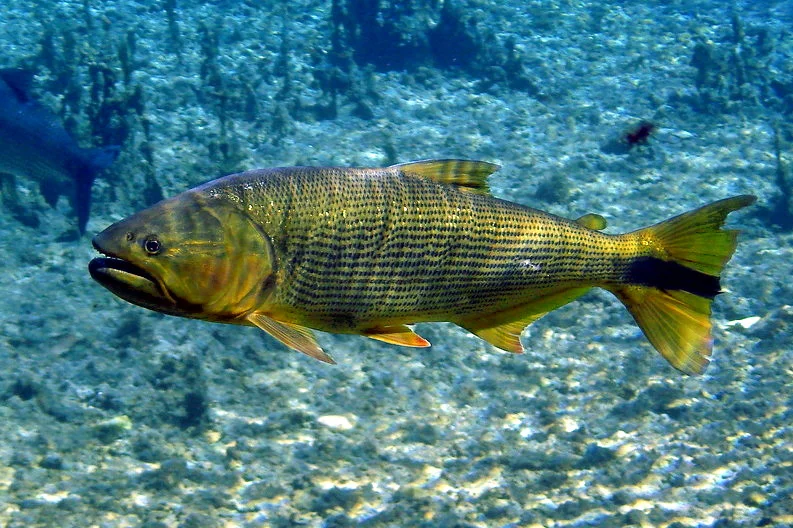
669,292
96,161
103,157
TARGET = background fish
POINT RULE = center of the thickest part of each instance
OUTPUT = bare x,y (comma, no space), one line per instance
33,144
370,251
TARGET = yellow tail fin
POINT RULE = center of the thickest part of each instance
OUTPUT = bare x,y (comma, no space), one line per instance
669,292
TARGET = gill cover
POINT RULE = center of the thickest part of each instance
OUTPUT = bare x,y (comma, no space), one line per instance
205,258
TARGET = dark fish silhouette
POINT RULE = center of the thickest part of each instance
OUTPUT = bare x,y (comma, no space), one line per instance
34,144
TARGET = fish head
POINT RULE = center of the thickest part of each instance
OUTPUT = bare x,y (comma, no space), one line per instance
194,255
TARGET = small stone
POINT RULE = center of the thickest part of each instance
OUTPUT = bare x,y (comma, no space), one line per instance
198,520
423,433
109,430
51,461
335,497
595,455
336,421
745,323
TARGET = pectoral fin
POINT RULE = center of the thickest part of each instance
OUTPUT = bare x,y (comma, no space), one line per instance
397,335
294,336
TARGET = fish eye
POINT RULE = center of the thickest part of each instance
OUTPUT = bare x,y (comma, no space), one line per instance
152,245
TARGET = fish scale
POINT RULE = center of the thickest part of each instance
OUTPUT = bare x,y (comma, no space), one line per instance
357,247
371,250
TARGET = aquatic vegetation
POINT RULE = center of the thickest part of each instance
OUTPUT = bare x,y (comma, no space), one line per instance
587,427
100,97
173,27
779,211
735,73
152,192
227,97
110,430
420,33
387,35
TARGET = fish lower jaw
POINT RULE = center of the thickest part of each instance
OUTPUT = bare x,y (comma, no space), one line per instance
131,283
110,264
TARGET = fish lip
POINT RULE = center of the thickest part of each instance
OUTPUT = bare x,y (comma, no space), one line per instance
96,265
113,261
104,270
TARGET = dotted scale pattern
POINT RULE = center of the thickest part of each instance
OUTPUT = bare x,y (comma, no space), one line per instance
357,248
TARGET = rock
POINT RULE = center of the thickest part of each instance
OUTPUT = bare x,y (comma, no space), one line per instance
423,433
336,421
595,455
107,431
52,461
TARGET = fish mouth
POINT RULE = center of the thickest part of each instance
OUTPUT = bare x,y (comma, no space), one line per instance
128,281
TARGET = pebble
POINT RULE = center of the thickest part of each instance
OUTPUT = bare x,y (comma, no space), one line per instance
336,421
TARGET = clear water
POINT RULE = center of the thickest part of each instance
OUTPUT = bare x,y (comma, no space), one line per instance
117,416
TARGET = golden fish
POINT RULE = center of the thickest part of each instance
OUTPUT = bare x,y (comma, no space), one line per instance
371,250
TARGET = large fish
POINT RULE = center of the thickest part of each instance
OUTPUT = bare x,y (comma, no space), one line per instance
33,144
369,251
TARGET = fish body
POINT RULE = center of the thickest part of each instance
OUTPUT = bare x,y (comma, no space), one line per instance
372,250
33,144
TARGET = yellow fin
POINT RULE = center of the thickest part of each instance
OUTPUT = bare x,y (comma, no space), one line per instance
465,174
592,221
695,239
503,329
397,335
294,336
670,292
506,336
676,323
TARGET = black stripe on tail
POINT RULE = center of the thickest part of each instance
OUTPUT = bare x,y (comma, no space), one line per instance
668,275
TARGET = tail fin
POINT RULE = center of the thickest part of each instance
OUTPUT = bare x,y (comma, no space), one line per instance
96,160
101,158
669,293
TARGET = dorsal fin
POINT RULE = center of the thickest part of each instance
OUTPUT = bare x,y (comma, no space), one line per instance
467,175
592,221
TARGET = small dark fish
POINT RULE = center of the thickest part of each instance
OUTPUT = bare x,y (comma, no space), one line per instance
627,140
639,134
34,144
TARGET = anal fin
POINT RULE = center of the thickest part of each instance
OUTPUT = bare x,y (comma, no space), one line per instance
505,336
294,336
400,335
502,329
